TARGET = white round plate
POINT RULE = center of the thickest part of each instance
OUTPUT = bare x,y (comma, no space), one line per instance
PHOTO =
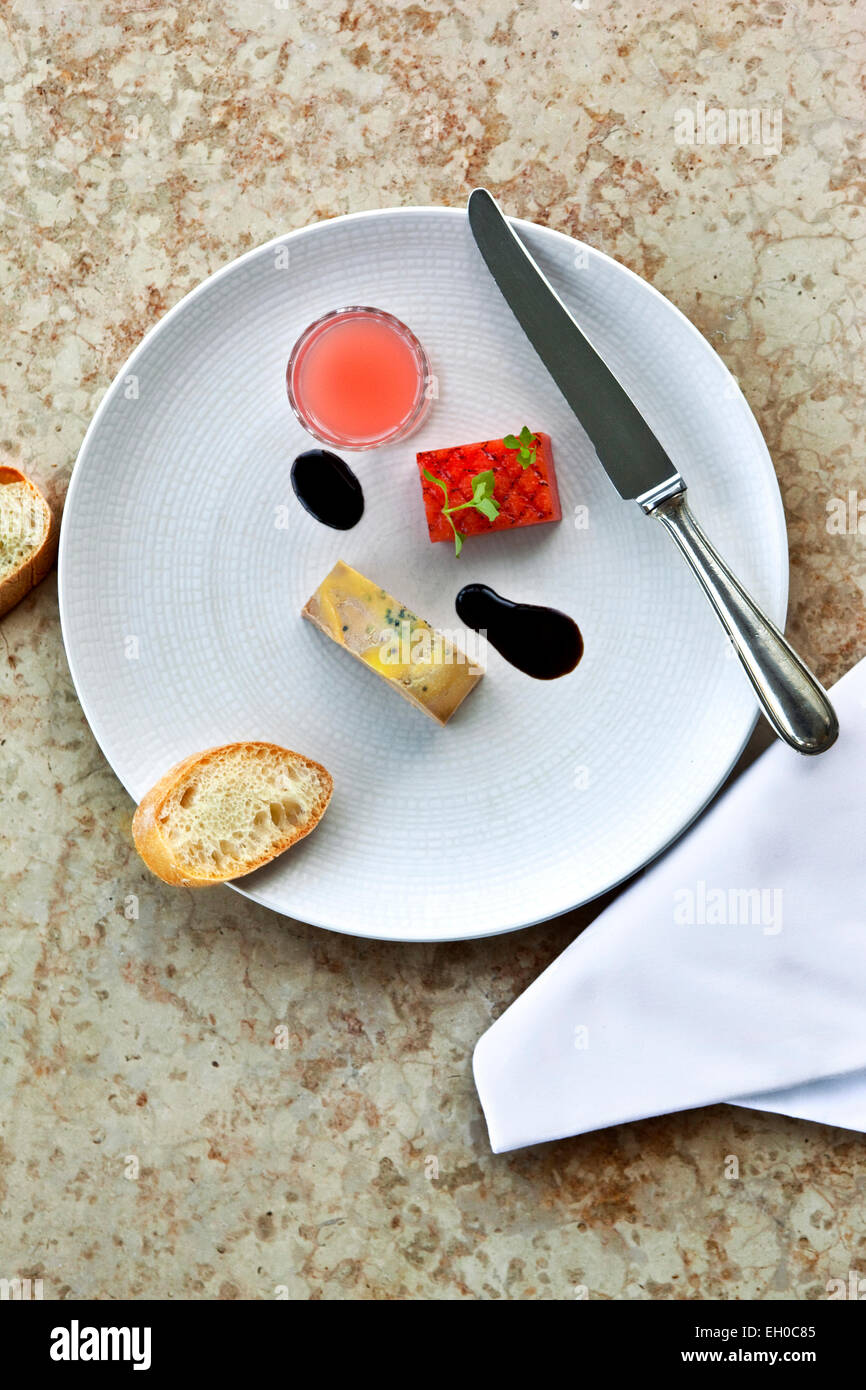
185,560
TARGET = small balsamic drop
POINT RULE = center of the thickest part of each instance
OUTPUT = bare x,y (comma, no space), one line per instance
542,642
327,488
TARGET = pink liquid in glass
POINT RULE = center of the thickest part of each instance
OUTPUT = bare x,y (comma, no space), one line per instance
358,378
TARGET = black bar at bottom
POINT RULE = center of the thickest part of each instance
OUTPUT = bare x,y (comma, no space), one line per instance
234,1339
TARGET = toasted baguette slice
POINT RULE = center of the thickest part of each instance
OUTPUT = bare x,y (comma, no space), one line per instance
28,537
224,812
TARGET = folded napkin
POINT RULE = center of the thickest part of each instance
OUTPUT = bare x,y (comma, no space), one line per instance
733,970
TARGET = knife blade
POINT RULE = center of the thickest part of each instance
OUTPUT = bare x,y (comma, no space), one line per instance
792,699
632,457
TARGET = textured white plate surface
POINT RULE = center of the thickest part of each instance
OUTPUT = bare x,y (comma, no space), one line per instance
185,559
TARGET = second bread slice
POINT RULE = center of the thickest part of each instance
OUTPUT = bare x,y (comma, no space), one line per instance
224,812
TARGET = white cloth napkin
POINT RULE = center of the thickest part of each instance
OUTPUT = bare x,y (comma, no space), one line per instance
733,970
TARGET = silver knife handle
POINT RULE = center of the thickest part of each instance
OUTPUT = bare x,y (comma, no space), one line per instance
790,696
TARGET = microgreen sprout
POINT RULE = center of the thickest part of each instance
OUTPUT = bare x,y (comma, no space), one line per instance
527,444
482,500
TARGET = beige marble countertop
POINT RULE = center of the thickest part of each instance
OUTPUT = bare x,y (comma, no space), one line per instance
153,1142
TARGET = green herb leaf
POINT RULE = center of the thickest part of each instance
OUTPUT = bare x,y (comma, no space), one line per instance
526,445
482,499
446,510
482,494
431,477
482,484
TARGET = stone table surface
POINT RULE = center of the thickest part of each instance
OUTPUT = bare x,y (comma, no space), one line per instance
155,1143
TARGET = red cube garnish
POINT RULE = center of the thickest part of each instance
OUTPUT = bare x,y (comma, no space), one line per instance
525,495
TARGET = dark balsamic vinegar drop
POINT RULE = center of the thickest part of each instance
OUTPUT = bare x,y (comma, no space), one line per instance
328,489
542,642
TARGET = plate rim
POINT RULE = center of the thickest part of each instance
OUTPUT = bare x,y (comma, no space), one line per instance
778,520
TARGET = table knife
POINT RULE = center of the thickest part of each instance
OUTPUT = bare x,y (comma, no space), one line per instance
636,463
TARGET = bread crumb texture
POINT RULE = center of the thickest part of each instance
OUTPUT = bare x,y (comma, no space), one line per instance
24,524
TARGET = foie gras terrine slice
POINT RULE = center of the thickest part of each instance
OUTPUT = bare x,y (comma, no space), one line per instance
423,665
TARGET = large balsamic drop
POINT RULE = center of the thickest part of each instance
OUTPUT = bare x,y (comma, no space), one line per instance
328,489
542,642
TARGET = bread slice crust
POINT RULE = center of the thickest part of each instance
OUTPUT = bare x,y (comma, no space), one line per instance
34,566
152,822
